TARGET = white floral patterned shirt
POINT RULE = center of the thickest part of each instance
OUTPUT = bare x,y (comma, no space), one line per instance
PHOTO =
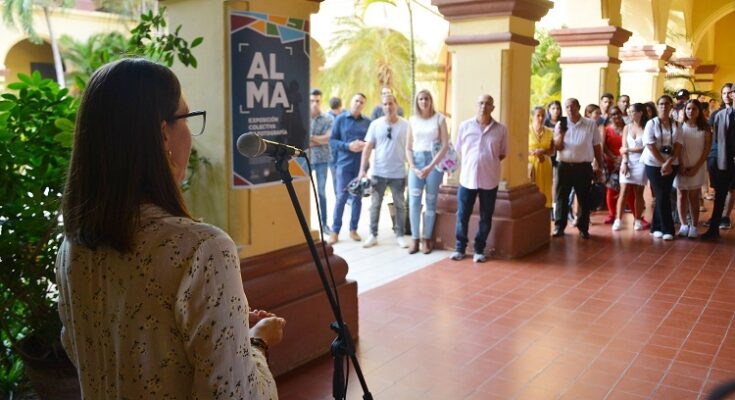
166,321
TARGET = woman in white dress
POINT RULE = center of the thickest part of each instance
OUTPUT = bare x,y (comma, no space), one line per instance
632,171
697,137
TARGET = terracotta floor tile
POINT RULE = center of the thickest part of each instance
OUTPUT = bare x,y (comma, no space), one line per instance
670,393
583,391
618,317
643,388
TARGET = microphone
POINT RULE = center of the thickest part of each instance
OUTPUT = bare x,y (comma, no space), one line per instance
251,145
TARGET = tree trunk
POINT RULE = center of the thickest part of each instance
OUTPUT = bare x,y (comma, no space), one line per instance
55,50
412,57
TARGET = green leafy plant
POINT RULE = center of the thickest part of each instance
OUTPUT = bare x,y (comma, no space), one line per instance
545,70
36,129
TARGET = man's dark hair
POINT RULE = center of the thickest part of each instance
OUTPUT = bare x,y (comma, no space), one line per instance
607,95
335,103
315,92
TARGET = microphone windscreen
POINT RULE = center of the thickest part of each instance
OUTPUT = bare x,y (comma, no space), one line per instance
250,145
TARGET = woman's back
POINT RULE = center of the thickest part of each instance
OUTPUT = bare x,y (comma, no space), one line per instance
163,321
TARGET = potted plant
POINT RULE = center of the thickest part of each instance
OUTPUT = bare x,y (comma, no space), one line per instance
36,130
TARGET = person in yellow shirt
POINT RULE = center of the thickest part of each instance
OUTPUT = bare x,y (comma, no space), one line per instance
540,149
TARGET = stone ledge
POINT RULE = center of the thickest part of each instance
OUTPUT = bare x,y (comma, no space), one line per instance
532,10
286,282
593,36
521,222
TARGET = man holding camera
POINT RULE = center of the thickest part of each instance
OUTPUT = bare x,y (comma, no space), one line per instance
578,143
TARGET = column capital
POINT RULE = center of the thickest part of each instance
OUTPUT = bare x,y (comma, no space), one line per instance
658,51
688,62
532,10
592,36
706,69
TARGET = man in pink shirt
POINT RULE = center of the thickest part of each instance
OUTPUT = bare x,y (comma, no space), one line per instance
481,144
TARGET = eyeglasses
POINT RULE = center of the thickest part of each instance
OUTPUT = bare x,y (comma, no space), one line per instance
196,120
390,129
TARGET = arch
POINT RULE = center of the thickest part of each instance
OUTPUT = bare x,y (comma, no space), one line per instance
22,53
710,21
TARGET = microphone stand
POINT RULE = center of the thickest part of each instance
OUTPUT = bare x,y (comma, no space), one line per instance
343,347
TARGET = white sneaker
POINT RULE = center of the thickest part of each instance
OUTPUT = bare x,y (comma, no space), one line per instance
657,234
479,258
401,242
693,233
684,230
668,236
370,242
637,225
616,225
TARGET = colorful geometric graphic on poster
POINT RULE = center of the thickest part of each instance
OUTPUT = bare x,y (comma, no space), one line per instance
269,93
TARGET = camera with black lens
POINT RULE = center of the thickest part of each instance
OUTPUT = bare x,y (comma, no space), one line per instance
666,150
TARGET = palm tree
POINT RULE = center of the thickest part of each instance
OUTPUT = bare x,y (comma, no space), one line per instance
412,55
372,57
20,12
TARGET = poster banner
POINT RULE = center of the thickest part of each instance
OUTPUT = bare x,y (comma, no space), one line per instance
269,93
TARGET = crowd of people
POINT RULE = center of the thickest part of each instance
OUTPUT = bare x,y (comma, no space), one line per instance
399,152
604,155
679,148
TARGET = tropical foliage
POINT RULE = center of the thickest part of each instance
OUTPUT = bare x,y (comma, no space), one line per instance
412,54
148,39
371,57
545,70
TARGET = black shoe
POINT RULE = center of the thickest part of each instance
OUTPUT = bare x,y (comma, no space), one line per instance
584,235
558,232
725,223
711,234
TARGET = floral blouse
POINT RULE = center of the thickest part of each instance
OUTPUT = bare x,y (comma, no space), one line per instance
166,321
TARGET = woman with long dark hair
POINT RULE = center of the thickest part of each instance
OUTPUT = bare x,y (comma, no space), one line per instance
151,300
632,170
697,139
662,138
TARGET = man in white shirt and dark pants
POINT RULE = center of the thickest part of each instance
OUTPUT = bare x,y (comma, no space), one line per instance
482,143
387,135
578,142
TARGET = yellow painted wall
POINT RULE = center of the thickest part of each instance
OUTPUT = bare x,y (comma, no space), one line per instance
259,220
724,53
705,15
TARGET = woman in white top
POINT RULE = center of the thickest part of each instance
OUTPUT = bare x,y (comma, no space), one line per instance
151,301
697,138
632,171
662,138
428,131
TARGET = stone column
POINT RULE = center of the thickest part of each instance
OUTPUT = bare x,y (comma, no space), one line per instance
704,78
589,61
642,72
491,43
277,268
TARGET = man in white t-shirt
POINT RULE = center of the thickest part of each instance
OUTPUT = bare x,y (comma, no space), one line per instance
387,135
578,143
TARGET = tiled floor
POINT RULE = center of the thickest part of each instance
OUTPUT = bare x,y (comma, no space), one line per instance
620,316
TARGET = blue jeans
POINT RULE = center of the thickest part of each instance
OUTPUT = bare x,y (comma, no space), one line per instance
397,189
465,204
416,187
344,176
321,189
